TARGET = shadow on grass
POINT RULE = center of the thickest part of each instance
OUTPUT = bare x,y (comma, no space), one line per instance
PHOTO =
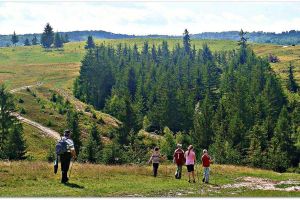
73,185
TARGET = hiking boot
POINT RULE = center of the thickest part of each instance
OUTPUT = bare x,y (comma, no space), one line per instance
194,181
189,181
203,180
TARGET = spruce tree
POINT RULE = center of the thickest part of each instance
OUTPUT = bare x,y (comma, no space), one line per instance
58,43
47,37
132,83
16,148
14,38
73,125
90,44
26,43
186,42
12,144
34,40
291,83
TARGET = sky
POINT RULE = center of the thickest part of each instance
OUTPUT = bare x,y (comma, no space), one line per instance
145,17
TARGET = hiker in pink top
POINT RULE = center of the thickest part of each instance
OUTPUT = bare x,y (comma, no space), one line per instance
190,158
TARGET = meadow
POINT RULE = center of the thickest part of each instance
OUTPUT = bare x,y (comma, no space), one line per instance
56,70
89,180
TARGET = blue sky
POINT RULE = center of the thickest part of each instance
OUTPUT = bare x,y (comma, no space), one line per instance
149,17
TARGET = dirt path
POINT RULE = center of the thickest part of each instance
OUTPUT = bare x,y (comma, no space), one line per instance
25,87
255,183
80,106
47,131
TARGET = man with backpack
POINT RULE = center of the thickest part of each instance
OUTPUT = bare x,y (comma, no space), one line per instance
65,150
178,158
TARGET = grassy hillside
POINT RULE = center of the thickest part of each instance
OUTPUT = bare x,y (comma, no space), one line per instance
57,69
108,181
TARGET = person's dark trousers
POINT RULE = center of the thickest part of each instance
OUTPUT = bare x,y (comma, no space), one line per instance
155,168
65,160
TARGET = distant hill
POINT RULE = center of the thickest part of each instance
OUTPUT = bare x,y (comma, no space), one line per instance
285,38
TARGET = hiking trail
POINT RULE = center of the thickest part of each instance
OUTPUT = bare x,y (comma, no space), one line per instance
47,131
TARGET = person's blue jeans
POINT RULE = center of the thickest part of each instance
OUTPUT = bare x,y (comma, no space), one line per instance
206,174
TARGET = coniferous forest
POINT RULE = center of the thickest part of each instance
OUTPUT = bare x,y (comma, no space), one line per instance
230,102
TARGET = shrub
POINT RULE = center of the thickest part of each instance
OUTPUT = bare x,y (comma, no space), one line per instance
23,111
21,100
49,123
51,154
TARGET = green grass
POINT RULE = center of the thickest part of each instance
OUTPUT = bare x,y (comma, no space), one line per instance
89,180
37,144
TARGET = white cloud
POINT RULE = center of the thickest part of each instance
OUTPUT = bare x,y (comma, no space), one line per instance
146,17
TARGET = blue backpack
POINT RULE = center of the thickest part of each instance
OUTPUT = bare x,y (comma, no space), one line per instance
61,146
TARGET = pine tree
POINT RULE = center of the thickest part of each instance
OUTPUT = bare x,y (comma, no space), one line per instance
14,38
58,43
90,44
26,43
132,83
168,144
94,145
186,42
34,40
256,155
73,125
16,148
47,37
291,84
11,140
66,38
281,144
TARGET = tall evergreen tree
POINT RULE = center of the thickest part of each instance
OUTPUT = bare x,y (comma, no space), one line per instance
73,125
186,42
291,84
16,148
26,43
12,144
58,42
90,44
34,40
14,38
47,37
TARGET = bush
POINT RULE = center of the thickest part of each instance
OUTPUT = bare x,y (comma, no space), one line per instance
28,89
87,109
112,154
51,154
100,121
23,111
49,123
21,100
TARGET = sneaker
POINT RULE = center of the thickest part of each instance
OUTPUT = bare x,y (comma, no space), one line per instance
203,180
194,181
189,181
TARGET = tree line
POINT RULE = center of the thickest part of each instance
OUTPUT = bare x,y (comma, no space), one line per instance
48,39
230,102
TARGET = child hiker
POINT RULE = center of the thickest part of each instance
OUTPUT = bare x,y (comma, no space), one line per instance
155,158
205,163
190,158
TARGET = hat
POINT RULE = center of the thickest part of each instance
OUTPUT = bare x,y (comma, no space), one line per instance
179,145
204,151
